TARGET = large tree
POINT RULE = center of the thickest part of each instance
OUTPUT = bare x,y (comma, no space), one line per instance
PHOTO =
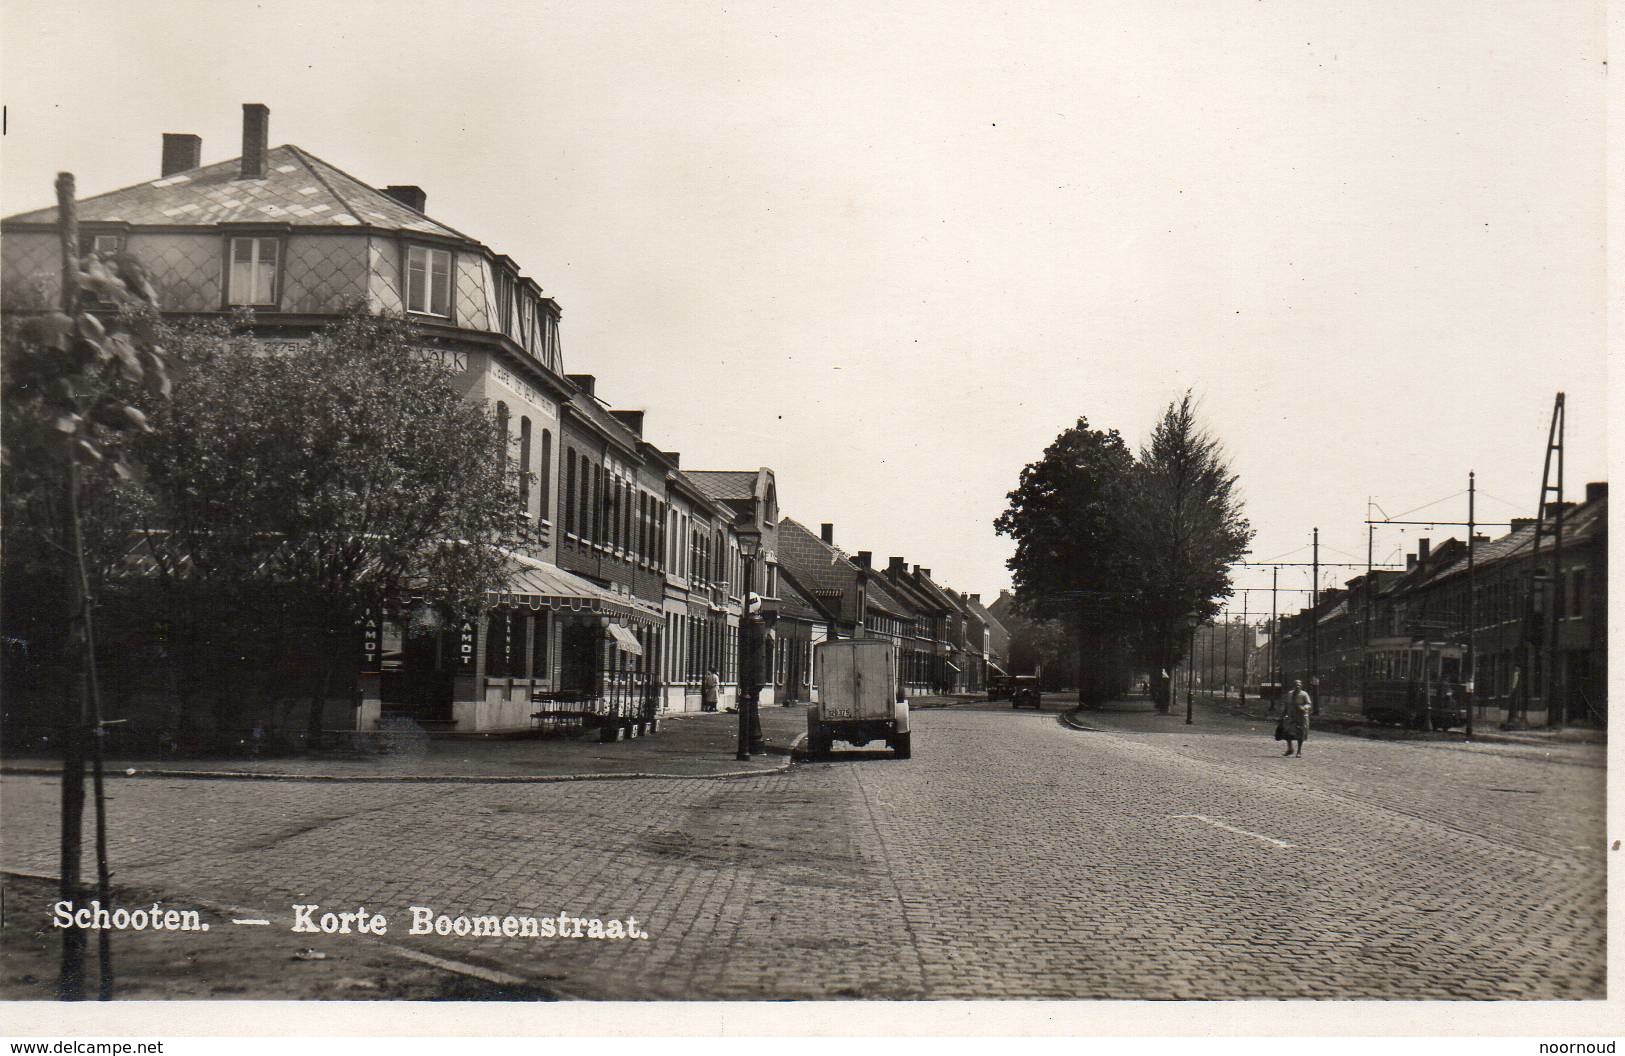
1067,518
297,484
1188,528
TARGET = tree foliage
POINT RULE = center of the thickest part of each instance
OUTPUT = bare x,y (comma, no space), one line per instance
1190,526
1126,549
299,483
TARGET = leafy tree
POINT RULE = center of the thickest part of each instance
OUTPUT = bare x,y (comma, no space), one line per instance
296,485
70,406
1067,518
1188,527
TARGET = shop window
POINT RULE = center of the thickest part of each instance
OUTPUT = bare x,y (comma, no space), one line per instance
253,275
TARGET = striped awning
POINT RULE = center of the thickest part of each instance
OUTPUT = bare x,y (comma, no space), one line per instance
534,584
625,640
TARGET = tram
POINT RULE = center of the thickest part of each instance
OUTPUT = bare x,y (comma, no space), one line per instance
1415,683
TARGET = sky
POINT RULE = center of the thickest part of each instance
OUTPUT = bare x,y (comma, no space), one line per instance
892,250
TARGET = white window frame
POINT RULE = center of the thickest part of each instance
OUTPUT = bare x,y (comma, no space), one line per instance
260,269
425,258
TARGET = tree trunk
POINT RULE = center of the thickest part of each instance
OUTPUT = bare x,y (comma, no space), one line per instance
318,700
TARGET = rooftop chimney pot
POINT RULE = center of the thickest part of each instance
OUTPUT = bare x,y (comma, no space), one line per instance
256,139
826,532
865,558
585,382
408,195
633,420
182,151
1597,489
1422,548
897,566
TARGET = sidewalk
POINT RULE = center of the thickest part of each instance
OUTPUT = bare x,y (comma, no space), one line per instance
1344,718
688,745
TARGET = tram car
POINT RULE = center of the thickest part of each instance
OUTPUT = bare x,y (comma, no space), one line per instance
1417,685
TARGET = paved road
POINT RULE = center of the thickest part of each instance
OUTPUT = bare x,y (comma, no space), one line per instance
1011,857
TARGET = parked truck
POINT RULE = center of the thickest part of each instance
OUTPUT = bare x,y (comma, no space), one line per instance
859,697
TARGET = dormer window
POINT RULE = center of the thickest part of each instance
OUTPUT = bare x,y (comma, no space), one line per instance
428,281
253,271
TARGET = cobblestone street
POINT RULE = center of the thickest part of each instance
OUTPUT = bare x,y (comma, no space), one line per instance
1013,856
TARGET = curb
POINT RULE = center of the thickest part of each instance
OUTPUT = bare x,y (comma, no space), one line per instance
445,964
424,779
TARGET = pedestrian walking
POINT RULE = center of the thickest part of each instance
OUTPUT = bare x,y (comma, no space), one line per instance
710,685
1294,724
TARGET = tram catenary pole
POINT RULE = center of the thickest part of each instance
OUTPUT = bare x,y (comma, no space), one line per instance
1470,676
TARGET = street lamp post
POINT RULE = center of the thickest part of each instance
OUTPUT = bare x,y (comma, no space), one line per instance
750,732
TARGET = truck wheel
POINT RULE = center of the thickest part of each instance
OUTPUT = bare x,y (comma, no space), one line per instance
900,744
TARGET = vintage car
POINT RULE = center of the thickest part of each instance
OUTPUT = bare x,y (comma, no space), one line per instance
1024,692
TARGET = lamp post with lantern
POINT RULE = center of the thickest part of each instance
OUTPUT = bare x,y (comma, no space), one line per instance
750,624
1193,621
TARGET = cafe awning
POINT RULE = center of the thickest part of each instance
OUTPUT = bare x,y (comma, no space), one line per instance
994,664
534,584
625,640
951,665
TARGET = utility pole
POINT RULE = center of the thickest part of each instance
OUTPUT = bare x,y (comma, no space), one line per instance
1227,622
1554,680
1275,633
1246,636
1471,674
1314,627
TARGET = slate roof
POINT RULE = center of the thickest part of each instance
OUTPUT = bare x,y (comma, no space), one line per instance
823,568
298,189
816,564
883,597
795,604
725,483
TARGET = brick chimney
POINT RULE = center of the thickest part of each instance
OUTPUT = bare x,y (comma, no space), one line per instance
826,532
256,139
1410,562
1423,546
865,559
633,420
1520,523
897,567
674,457
1552,509
182,151
585,382
408,195
1596,490
976,599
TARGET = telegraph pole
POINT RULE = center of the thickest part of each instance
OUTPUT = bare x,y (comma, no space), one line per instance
1227,622
1314,627
1471,678
1275,631
1245,636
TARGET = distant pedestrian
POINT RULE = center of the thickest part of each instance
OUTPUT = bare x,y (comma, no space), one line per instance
710,686
1294,724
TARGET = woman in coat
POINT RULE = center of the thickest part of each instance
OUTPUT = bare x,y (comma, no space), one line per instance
1294,725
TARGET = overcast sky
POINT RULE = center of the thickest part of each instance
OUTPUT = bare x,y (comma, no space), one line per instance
891,250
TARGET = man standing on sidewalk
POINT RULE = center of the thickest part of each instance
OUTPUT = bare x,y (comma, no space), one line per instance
709,687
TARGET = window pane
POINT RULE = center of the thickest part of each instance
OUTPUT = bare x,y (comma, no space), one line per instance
242,249
440,281
416,280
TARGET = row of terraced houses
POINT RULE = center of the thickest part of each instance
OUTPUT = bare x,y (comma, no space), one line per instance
635,587
1391,630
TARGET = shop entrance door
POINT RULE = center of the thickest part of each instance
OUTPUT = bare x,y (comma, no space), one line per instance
418,660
